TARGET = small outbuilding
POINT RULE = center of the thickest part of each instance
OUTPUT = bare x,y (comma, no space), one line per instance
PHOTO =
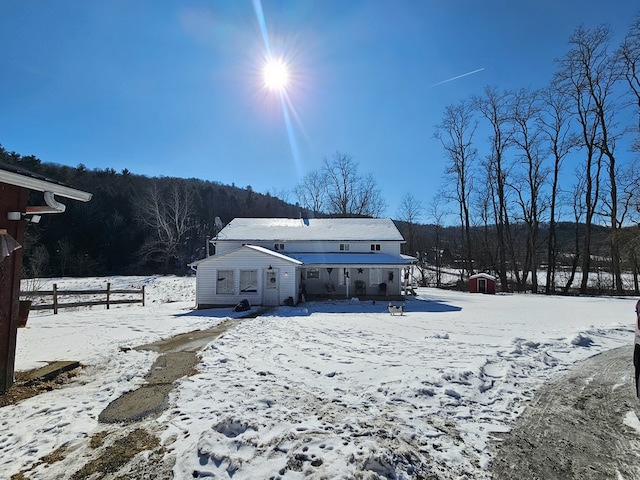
482,283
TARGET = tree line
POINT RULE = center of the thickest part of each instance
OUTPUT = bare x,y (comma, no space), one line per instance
566,152
133,224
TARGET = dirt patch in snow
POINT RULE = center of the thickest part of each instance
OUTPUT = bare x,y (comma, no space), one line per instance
26,387
583,425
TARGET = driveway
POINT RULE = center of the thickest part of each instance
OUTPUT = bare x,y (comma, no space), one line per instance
583,425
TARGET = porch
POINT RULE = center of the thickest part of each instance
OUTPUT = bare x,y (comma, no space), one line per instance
366,282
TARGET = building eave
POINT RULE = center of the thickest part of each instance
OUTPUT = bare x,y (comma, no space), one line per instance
42,185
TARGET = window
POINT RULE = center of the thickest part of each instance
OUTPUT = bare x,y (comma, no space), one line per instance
225,282
248,281
344,247
313,273
375,276
375,247
272,280
278,247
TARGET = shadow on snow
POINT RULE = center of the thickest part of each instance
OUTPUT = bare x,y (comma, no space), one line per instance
354,305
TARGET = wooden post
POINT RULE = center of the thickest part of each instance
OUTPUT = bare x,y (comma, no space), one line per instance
143,295
55,298
108,293
12,199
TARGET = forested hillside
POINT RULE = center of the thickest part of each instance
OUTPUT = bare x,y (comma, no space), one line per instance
133,224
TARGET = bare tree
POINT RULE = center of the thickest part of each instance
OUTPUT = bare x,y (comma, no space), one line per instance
579,211
456,132
527,139
346,192
282,194
629,59
338,189
167,213
410,211
598,73
555,122
578,79
494,106
437,213
485,211
311,192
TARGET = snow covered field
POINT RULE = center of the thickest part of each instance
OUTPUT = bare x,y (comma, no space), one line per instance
322,390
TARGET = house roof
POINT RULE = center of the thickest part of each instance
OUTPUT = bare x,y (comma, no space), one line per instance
262,250
319,229
349,259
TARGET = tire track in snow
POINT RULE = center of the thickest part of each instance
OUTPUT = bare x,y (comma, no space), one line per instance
575,426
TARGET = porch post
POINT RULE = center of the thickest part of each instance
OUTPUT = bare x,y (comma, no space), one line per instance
346,280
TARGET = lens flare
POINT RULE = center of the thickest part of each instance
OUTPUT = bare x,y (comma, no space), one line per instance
276,75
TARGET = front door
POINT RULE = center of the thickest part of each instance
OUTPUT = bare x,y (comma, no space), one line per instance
482,285
272,287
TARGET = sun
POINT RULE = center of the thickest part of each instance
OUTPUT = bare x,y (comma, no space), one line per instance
276,75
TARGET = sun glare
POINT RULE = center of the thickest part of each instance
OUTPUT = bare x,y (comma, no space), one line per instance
276,75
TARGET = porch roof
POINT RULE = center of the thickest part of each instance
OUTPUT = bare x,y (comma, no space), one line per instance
350,259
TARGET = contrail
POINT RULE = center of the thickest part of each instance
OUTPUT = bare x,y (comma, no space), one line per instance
455,78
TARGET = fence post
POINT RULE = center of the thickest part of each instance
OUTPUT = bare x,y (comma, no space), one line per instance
143,295
108,293
55,299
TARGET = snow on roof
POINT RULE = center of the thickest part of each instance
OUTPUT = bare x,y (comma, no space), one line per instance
266,251
291,229
482,275
256,248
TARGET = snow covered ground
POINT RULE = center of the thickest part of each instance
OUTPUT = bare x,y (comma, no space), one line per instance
339,389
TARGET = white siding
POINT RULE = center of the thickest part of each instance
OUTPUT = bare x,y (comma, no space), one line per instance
224,247
387,247
244,259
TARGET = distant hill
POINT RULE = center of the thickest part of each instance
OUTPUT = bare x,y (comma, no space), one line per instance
107,234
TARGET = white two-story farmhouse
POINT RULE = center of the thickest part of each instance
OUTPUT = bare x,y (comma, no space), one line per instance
276,261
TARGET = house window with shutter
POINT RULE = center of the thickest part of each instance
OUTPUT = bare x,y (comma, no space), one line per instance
225,282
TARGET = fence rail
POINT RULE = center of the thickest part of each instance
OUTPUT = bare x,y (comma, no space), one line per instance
107,300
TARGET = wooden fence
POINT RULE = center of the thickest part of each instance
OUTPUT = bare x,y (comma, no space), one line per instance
98,297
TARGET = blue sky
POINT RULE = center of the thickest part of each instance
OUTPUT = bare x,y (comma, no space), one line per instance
167,88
